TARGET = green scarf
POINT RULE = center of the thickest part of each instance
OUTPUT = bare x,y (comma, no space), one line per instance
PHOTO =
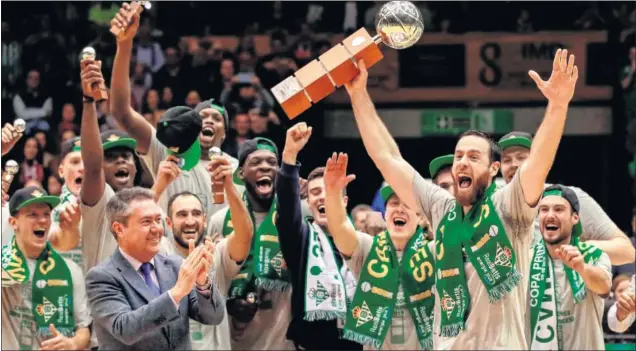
374,301
481,235
52,290
264,266
543,303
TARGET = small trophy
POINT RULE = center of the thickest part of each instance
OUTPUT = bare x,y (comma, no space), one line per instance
399,25
10,170
97,90
19,125
218,193
135,7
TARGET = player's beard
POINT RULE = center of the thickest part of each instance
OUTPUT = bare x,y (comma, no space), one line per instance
179,240
478,186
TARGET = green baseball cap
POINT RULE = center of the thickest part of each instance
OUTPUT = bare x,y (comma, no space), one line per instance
29,196
178,130
115,138
386,192
438,163
248,147
522,139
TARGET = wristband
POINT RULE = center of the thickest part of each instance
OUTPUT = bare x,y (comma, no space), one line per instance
88,98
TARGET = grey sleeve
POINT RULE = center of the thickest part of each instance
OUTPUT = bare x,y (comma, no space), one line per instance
512,204
605,263
596,223
215,223
156,153
359,256
225,267
81,312
433,201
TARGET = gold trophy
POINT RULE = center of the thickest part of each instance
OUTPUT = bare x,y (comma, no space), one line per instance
10,170
97,90
19,125
399,25
218,192
135,7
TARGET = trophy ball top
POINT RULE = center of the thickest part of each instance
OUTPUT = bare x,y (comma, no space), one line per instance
88,53
214,151
251,298
146,4
400,24
11,167
19,125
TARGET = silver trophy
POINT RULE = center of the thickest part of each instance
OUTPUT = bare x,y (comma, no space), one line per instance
19,125
88,53
398,24
11,168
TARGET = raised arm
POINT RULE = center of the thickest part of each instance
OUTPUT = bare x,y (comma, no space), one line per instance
132,122
559,90
597,277
94,180
378,141
336,180
238,244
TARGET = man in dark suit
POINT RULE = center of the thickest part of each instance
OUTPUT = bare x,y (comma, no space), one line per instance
140,299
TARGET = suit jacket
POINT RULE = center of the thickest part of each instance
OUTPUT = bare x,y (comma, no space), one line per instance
127,317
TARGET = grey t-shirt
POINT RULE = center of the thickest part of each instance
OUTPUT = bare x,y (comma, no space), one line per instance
211,337
18,323
7,229
268,329
97,239
499,325
197,180
401,334
582,323
597,225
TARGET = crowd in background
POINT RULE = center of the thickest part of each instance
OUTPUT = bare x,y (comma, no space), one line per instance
40,60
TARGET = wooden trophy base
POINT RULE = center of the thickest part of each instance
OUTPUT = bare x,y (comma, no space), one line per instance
320,77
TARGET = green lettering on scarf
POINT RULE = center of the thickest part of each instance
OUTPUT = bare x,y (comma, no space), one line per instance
264,266
52,296
481,235
369,318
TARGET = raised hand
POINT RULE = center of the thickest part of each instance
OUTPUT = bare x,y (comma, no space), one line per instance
559,89
90,74
336,178
58,342
168,170
220,169
359,83
70,217
120,20
206,262
10,136
297,138
571,257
